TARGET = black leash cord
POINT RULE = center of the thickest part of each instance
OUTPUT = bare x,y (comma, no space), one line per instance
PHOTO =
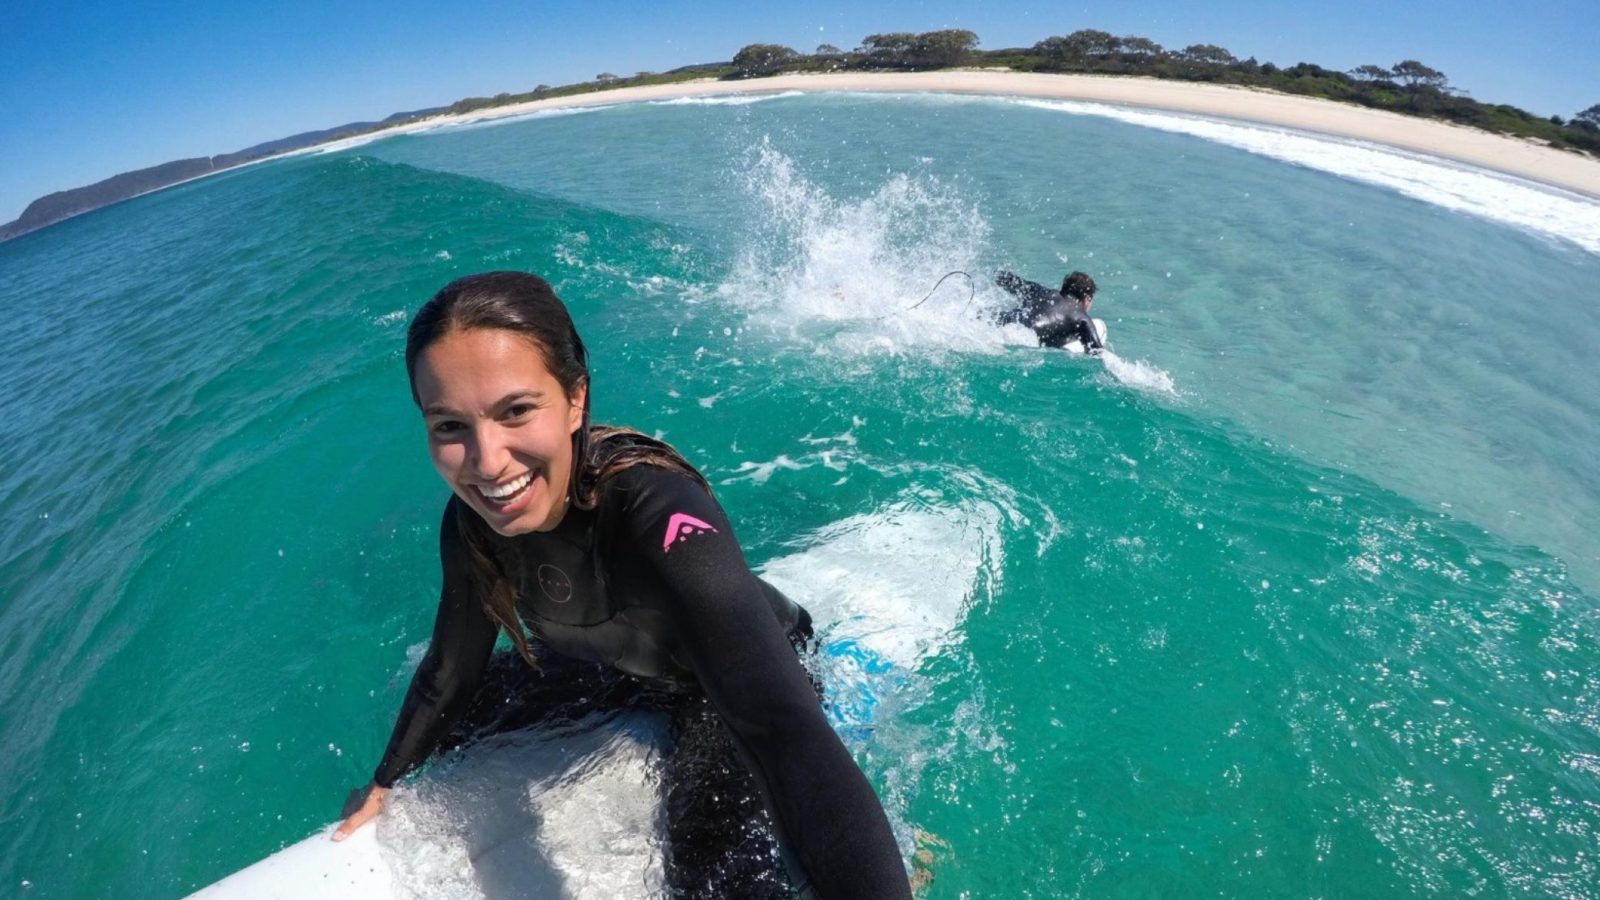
971,283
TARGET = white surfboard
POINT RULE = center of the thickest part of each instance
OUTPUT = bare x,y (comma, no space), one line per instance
570,813
1076,346
352,868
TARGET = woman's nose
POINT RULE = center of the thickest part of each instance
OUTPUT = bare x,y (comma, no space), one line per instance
490,454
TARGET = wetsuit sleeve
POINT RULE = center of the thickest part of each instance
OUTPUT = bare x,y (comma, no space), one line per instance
447,678
821,803
1013,283
1031,294
1089,335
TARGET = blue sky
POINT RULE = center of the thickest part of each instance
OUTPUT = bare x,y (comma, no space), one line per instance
90,88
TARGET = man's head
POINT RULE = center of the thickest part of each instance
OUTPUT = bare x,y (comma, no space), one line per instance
1080,287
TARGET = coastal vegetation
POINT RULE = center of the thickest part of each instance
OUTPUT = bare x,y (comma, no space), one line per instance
1409,87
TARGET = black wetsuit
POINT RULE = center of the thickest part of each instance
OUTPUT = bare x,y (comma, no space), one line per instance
1055,317
652,583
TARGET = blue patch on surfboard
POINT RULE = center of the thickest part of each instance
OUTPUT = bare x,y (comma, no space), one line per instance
856,679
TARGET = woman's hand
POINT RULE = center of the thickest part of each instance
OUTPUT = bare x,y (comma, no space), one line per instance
359,808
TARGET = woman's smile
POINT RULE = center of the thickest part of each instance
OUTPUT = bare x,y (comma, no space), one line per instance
506,494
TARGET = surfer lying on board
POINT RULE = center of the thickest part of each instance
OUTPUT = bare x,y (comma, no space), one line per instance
610,548
1056,316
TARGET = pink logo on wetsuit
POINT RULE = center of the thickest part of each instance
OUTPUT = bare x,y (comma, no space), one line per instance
679,527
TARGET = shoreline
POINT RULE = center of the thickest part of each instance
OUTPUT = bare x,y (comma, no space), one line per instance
1561,169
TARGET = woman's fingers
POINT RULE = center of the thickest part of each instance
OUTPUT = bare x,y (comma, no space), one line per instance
359,810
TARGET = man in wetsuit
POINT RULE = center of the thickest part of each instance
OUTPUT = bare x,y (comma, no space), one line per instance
1057,317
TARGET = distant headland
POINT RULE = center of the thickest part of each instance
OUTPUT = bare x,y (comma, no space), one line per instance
1375,102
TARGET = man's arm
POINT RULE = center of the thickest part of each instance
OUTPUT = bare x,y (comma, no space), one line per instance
1089,335
1013,283
1032,294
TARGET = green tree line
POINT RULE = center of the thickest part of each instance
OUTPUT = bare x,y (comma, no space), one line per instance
1408,86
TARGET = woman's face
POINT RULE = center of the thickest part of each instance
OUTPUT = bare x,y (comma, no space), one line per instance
499,427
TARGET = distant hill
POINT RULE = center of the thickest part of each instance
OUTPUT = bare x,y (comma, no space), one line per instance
52,208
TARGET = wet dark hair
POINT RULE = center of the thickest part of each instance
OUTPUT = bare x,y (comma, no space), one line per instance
1078,286
526,304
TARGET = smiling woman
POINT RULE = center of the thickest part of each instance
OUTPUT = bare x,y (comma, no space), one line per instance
606,548
500,427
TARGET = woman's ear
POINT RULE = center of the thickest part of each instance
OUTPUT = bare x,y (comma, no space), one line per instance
579,404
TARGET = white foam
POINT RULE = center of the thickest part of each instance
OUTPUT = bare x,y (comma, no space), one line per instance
490,120
572,813
888,590
1138,374
427,127
852,276
336,146
762,472
735,100
1506,199
576,251
896,581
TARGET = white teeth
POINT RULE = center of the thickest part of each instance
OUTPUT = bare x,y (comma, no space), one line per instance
506,490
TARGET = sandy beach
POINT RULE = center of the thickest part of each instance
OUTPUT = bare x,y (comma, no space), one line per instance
1512,156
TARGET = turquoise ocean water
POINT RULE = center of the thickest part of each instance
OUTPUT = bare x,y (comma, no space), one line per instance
1295,595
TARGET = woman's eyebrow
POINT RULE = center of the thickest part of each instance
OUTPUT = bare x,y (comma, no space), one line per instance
439,409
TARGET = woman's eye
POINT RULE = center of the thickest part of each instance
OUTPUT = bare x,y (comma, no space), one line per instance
445,428
517,411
